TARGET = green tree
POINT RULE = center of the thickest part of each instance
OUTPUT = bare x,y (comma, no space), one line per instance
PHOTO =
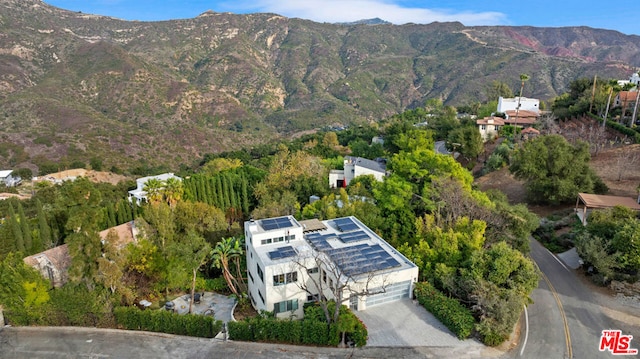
229,250
554,170
16,230
24,292
173,191
153,187
193,253
466,140
25,229
498,89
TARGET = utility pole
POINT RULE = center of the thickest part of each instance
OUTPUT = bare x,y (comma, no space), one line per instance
523,78
593,92
606,112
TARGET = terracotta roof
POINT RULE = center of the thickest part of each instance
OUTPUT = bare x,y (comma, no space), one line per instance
530,130
627,96
600,201
125,233
58,256
498,121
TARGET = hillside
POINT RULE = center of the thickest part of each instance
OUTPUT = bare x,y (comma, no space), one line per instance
75,86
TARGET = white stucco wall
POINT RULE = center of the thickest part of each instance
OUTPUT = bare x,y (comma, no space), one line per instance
511,104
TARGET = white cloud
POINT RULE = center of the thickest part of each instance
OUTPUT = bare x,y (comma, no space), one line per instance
352,10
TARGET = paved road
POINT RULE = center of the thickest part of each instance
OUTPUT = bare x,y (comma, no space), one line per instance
49,342
566,319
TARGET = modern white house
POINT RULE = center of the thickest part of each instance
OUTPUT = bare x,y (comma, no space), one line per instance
292,262
8,179
511,104
139,194
354,167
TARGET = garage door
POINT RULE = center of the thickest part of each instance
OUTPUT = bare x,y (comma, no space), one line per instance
393,292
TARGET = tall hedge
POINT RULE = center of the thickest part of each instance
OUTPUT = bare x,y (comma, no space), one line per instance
310,330
448,310
163,321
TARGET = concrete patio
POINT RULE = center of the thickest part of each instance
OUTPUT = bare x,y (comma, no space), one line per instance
221,305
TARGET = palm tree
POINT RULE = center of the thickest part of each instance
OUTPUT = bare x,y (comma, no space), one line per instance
153,187
523,79
221,254
173,191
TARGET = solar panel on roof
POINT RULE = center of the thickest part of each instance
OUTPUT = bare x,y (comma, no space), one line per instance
345,224
276,223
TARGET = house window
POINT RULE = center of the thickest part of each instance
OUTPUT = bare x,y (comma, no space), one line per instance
313,298
324,276
282,279
260,272
312,270
260,295
279,239
330,283
252,300
285,306
290,238
266,241
250,276
483,127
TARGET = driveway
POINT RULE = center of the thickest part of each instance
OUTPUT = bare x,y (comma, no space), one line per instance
405,323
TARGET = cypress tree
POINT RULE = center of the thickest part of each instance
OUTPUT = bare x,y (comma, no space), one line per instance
26,230
244,195
16,230
219,193
43,228
227,192
200,193
121,214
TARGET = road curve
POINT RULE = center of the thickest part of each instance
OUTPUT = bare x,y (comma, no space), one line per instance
566,319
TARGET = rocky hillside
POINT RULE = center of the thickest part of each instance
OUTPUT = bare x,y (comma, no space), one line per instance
75,86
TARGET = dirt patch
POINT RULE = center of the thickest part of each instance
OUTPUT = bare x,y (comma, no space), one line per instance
93,176
618,166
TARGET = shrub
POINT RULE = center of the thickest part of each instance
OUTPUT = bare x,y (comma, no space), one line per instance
216,285
163,321
448,310
312,330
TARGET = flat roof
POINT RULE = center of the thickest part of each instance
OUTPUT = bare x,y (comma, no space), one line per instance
601,201
351,245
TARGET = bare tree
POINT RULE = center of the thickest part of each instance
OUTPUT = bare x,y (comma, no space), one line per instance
625,159
338,278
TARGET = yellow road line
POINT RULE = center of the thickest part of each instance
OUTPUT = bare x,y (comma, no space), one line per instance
567,335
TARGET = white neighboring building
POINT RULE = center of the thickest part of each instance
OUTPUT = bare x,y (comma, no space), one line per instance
9,180
139,194
289,263
511,104
354,167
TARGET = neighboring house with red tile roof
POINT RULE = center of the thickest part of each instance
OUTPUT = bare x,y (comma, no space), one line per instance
54,263
625,99
529,133
522,118
489,127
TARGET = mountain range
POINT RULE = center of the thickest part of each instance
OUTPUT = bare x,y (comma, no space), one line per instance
76,86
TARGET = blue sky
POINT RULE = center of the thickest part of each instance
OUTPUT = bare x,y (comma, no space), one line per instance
621,15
